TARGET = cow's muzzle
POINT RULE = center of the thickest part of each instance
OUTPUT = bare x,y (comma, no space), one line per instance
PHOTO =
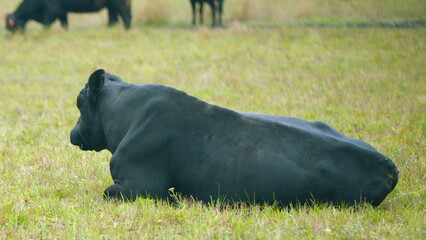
75,138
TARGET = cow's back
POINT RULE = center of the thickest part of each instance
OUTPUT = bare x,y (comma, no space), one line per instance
220,152
81,6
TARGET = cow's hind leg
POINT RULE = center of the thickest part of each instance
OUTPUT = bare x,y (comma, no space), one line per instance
112,17
125,12
193,12
201,13
122,8
213,8
220,10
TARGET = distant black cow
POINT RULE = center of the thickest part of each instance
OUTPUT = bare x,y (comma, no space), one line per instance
47,11
215,5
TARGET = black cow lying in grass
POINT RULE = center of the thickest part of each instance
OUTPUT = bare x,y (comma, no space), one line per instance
215,5
162,138
47,11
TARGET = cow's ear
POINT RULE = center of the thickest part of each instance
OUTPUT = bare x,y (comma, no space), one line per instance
96,81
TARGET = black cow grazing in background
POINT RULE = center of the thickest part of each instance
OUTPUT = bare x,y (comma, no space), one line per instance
47,11
215,5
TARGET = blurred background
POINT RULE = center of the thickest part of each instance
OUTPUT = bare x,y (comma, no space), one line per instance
258,12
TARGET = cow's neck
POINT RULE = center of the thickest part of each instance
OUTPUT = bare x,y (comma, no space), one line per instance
116,113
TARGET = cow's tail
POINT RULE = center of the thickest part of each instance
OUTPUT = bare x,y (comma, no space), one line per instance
393,173
391,179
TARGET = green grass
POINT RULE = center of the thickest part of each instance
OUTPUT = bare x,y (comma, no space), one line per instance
368,83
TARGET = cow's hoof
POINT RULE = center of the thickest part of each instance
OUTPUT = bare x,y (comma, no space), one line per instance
117,192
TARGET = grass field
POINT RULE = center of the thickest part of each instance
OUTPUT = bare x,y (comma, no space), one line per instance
368,83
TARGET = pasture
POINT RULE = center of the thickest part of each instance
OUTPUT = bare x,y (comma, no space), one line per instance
368,83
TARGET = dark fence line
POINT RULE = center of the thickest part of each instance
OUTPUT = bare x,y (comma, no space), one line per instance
416,24
405,24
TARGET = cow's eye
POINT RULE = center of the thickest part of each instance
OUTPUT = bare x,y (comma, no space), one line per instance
79,103
80,99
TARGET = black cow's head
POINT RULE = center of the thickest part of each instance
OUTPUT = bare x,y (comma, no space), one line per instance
88,133
10,22
14,24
